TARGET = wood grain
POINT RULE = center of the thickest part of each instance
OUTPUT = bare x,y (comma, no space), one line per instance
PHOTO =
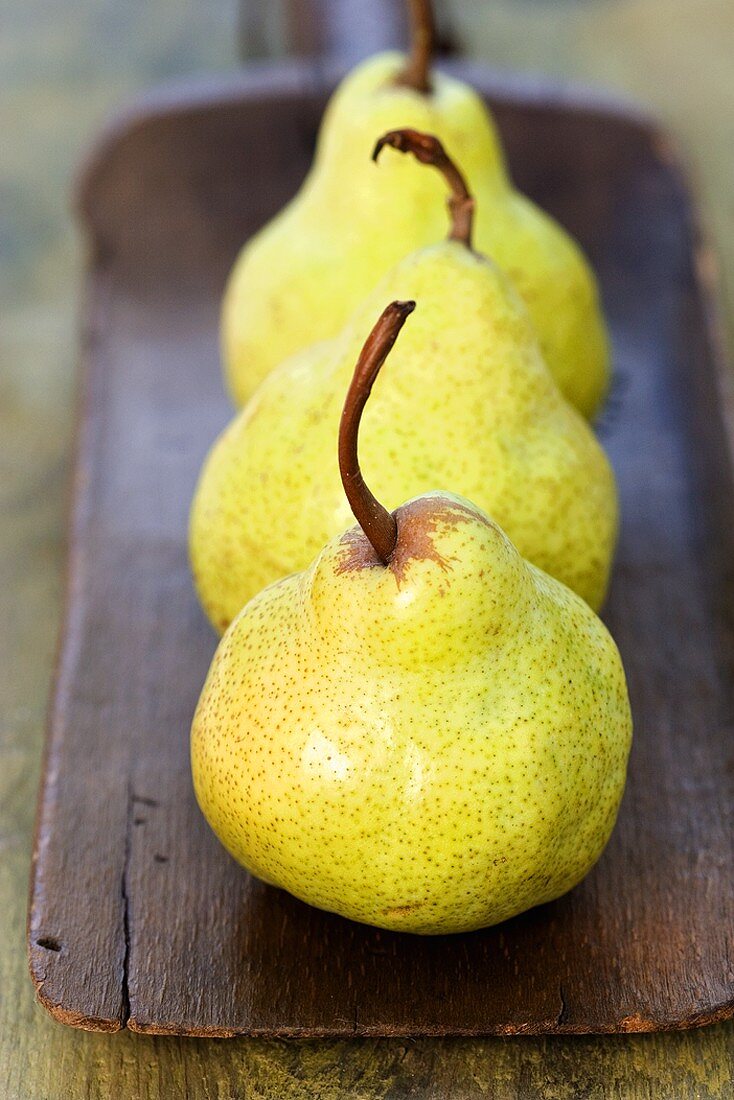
138,918
641,45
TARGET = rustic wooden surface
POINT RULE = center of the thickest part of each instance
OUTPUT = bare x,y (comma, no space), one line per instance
138,917
55,91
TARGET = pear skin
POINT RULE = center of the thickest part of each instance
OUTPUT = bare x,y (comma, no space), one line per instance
299,279
430,747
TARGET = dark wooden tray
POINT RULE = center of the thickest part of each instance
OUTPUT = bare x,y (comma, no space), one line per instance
138,918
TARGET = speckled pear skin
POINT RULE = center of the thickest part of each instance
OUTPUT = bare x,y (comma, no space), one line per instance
433,746
298,280
465,400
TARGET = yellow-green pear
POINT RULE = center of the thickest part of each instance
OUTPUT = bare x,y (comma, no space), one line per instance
422,731
470,404
298,280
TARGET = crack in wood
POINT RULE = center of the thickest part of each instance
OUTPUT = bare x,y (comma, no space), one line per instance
49,943
124,892
562,1017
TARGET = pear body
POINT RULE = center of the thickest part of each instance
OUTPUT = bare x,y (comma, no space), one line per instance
433,746
299,279
466,401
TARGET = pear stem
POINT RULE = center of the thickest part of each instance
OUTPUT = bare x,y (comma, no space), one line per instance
377,523
417,70
427,149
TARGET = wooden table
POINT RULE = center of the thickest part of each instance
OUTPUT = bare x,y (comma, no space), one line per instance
62,68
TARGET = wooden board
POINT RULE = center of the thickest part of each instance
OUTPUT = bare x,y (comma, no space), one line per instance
137,917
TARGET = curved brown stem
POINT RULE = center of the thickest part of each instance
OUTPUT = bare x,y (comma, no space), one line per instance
377,523
428,150
417,70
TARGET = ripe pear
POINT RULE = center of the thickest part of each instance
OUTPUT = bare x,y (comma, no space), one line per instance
422,731
298,280
470,404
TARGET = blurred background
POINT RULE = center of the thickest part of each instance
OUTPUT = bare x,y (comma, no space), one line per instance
64,67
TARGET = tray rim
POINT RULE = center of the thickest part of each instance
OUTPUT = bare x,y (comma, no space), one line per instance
267,79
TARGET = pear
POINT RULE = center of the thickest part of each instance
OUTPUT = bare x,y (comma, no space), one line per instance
475,408
299,279
422,731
